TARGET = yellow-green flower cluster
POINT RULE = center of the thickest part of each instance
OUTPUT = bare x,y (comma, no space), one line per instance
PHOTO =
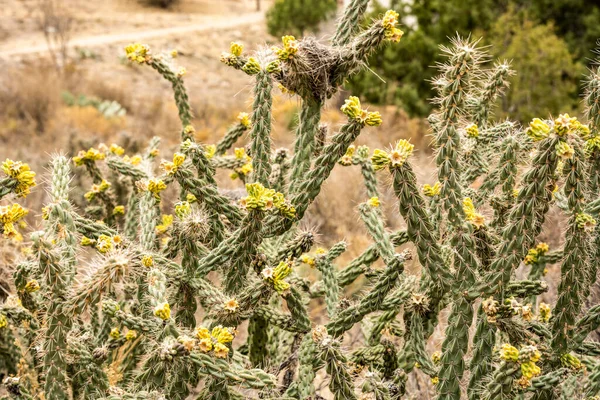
20,172
131,335
432,191
244,119
570,361
105,243
290,48
545,312
135,160
261,198
528,356
538,130
236,49
90,155
353,110
163,311
3,321
116,149
585,221
389,22
533,254
215,340
210,150
252,67
155,186
565,124
395,158
147,261
119,210
471,213
139,53
472,131
115,333
277,275
97,189
9,215
166,222
347,158
182,209
509,353
32,286
374,202
171,167
564,150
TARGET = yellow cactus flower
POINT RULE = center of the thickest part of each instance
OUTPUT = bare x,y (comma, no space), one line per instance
167,221
163,311
259,197
400,153
306,259
3,321
509,353
585,221
222,335
236,49
435,380
290,48
472,131
115,333
244,119
538,130
20,172
90,155
570,361
119,210
389,22
155,186
220,350
9,216
139,53
432,191
32,286
545,312
202,333
205,344
191,198
147,261
564,151
116,149
542,248
85,241
131,335
374,202
564,124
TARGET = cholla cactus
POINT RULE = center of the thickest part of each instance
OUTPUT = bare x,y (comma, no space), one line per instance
128,326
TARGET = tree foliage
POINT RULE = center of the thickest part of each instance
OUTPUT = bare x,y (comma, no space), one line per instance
295,17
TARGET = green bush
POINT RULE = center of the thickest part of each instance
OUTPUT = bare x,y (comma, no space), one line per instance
297,17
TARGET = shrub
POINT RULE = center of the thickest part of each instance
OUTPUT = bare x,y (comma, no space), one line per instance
128,326
297,17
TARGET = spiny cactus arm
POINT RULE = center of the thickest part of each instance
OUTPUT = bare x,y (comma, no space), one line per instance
132,215
417,342
297,308
548,381
350,22
588,348
356,51
494,83
281,165
209,195
481,361
587,324
233,134
574,267
221,369
261,128
323,165
309,118
518,237
412,207
118,165
149,213
391,307
92,229
525,288
367,355
227,162
505,172
308,363
501,384
340,384
346,318
89,379
592,387
298,244
58,323
279,319
371,215
330,283
141,54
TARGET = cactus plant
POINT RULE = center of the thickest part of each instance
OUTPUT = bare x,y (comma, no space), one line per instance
205,296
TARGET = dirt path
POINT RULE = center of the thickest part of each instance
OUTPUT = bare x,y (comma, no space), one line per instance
98,40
